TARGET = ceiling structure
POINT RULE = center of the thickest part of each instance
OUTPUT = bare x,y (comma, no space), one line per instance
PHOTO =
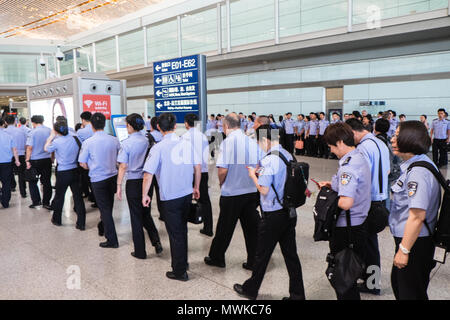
4,100
59,19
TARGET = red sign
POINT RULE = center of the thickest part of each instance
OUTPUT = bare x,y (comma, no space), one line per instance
97,103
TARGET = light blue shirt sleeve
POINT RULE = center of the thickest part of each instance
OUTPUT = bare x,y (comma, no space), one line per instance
153,162
348,182
221,161
52,147
84,153
419,192
124,154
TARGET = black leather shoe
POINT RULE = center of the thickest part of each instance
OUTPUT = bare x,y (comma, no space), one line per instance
158,248
206,233
56,223
34,205
101,229
108,244
293,298
138,257
363,288
211,262
81,228
246,266
172,276
240,291
46,206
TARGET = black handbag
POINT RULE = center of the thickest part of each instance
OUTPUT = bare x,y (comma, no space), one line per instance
378,217
195,215
31,175
344,267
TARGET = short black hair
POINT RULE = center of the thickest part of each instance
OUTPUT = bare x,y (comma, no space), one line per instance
289,113
339,132
322,113
441,109
98,121
37,119
402,116
212,115
190,119
266,131
22,120
86,116
394,113
382,125
154,123
61,118
413,137
10,119
78,126
355,124
424,115
167,121
135,121
61,127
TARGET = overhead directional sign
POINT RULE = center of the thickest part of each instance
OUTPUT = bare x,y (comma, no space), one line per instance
180,87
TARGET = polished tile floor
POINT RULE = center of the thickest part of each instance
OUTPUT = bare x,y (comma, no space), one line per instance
41,261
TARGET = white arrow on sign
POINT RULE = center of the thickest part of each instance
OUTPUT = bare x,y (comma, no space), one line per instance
158,93
158,80
159,105
158,67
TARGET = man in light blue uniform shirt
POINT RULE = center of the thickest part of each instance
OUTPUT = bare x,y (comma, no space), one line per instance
440,137
394,123
276,226
157,135
99,156
299,128
322,146
175,167
313,134
8,151
239,198
376,152
288,125
23,125
199,142
212,123
20,139
39,159
83,134
131,158
243,121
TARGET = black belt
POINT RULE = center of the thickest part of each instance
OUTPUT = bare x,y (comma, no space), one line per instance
269,213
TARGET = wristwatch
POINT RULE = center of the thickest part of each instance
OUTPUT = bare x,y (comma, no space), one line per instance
404,250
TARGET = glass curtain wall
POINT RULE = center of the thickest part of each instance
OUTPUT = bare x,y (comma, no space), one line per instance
66,66
105,52
162,41
131,48
199,32
85,59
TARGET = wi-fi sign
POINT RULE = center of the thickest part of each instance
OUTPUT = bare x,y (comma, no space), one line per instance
88,103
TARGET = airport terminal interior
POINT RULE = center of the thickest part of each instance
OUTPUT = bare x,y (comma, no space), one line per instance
254,56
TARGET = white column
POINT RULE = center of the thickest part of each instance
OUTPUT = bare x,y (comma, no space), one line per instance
117,54
228,26
277,21
219,29
145,47
75,66
94,57
448,7
180,50
350,15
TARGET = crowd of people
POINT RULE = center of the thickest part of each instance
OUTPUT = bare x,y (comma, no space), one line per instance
158,164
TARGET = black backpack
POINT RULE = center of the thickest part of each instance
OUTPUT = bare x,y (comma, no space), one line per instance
441,233
297,174
394,161
325,214
151,143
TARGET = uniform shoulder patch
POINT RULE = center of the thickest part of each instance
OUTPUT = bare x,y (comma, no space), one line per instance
412,188
345,178
347,161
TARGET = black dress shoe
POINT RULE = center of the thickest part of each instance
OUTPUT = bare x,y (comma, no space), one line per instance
108,244
293,298
81,228
56,223
211,262
206,233
158,248
138,257
172,276
34,205
246,266
240,291
46,206
101,229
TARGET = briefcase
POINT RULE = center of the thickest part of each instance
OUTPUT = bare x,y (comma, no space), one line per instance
195,215
299,144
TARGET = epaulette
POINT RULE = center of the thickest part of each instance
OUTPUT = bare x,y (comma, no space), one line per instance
347,161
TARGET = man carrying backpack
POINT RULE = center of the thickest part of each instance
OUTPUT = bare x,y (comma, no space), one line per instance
276,225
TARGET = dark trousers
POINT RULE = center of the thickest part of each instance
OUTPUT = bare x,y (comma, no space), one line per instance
339,241
440,152
104,194
64,180
322,147
411,282
276,227
155,186
44,168
242,207
289,142
175,213
312,146
140,217
20,173
6,172
206,203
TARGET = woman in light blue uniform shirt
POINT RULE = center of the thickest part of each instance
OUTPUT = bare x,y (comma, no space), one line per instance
353,184
414,209
131,158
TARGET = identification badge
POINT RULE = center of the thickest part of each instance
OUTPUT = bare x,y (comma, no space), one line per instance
440,254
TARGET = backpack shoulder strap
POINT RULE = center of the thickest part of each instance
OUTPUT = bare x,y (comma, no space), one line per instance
286,162
433,170
77,141
380,169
